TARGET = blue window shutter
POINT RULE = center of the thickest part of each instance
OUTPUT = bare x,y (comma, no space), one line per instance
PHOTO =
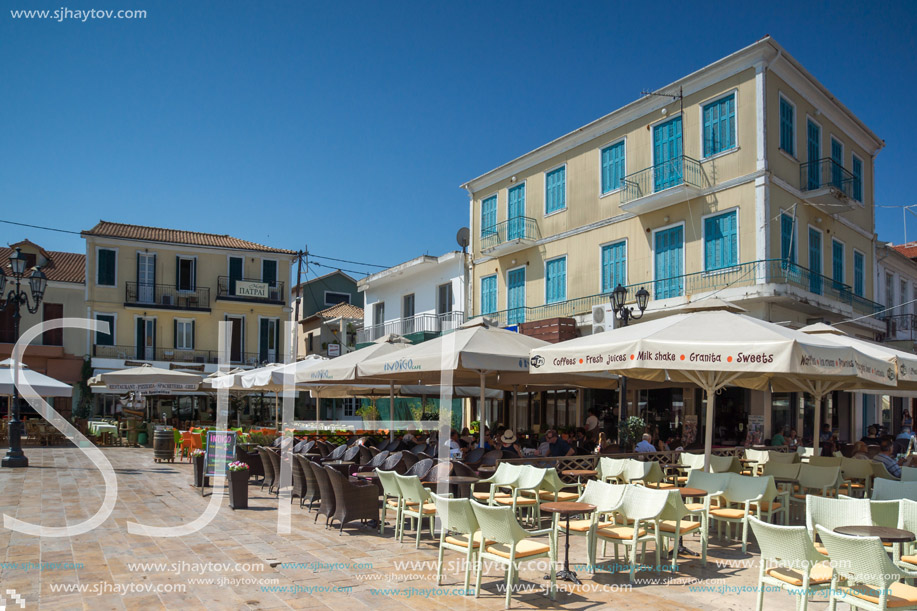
720,241
857,179
813,140
837,168
719,125
787,127
837,261
555,193
515,298
556,280
489,295
488,215
815,262
614,266
787,240
612,167
858,278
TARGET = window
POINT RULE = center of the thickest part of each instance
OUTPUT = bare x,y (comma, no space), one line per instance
444,298
515,296
350,407
555,187
310,343
269,272
184,273
721,245
902,297
815,259
837,168
489,215
857,178
612,167
614,266
837,263
334,298
858,273
787,238
184,334
407,306
489,294
107,267
52,311
720,125
787,126
555,278
813,144
106,339
889,290
379,313
269,344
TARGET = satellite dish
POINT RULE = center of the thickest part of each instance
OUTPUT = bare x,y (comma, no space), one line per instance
462,237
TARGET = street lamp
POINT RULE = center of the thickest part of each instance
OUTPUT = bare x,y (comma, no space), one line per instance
16,298
626,314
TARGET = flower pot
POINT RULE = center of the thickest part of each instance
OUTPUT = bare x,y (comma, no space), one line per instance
199,480
238,489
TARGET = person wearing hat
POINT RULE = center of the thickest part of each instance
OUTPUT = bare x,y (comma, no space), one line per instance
508,444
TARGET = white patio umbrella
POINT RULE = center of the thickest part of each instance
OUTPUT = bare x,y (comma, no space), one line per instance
147,379
44,385
478,351
714,349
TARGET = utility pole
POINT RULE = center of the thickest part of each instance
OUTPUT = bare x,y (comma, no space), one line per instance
299,257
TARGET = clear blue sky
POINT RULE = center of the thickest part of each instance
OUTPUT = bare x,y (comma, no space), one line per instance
350,126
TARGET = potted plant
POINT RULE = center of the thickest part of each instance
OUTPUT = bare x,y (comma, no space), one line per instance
369,413
238,485
197,459
632,432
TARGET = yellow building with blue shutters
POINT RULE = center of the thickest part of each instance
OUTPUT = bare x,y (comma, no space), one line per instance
747,180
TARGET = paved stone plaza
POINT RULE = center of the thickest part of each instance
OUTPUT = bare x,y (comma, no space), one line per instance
238,561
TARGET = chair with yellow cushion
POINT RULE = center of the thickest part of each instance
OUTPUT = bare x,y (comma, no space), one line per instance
783,457
820,481
391,499
504,478
825,461
642,506
673,525
857,476
907,520
871,580
713,483
831,513
741,496
416,504
789,562
606,498
459,532
529,480
511,544
725,464
757,458
611,470
645,473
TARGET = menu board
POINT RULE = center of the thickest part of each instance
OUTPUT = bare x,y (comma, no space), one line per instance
221,448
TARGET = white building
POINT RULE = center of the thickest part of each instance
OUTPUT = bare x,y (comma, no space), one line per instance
419,299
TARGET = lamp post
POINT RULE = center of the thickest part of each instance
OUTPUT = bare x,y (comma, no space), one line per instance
16,298
625,314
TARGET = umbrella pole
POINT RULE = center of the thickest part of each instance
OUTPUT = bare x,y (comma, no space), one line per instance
515,418
816,434
277,408
481,410
391,410
708,427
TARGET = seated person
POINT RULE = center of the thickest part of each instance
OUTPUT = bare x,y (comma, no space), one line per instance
508,444
825,433
556,445
871,438
860,451
885,457
647,444
780,438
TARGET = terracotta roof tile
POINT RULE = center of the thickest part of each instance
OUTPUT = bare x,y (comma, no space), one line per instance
339,310
176,236
62,266
909,250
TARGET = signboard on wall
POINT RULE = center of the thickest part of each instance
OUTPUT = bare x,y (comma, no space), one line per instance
251,289
334,350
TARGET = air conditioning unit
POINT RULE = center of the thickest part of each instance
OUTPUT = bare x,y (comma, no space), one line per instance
603,318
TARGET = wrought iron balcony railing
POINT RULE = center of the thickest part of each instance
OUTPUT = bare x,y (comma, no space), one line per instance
250,289
900,327
431,323
516,228
826,173
774,271
166,296
176,355
681,170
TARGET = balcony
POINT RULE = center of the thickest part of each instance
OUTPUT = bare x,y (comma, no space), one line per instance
166,355
510,236
166,297
827,184
900,327
250,290
662,185
418,328
771,271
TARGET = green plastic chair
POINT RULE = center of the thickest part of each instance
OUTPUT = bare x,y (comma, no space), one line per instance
908,474
673,525
416,503
832,513
530,479
825,461
713,483
504,477
822,481
606,498
759,458
782,457
611,469
742,493
857,476
907,519
891,490
459,532
789,561
644,506
873,581
725,464
391,499
510,546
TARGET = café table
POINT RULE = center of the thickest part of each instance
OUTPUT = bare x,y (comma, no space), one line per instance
886,533
462,483
674,470
579,474
566,509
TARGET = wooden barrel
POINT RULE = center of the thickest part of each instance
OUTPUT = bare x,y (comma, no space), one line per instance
163,445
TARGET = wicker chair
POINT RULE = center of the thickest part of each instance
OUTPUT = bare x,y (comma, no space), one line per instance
872,579
391,498
324,448
268,467
304,447
394,462
420,468
725,464
299,480
253,460
336,454
824,481
825,461
504,477
416,504
376,463
420,447
713,483
274,457
673,525
312,492
782,457
474,457
352,501
409,459
643,506
530,480
831,513
788,549
611,469
510,546
490,458
439,471
740,495
857,476
459,532
606,498
365,456
648,472
326,505
907,520
551,487
422,455
909,474
891,490
758,459
462,469
351,454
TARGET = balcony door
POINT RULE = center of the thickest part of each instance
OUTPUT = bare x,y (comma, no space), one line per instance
146,339
813,145
515,296
235,273
668,256
146,277
667,154
236,345
270,340
815,277
516,213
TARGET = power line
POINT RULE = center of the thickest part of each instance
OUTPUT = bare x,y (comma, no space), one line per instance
346,261
40,227
343,269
